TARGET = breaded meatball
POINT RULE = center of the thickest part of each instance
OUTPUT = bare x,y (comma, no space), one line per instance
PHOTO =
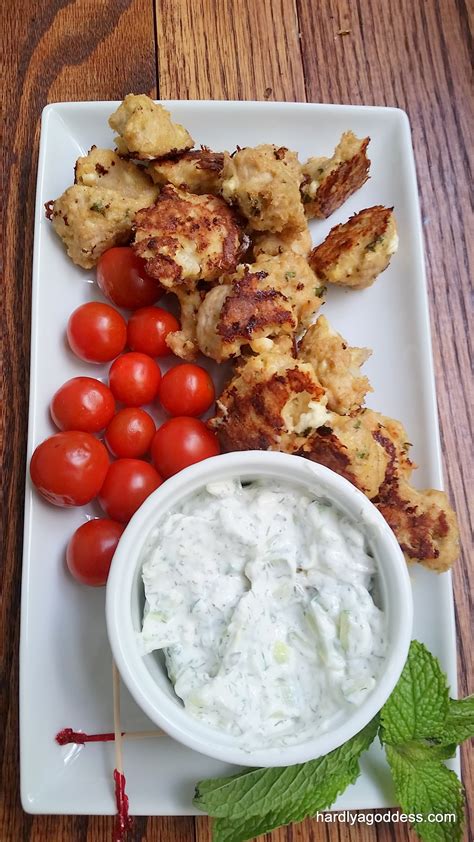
268,404
91,220
290,239
97,212
328,182
424,523
291,274
272,297
355,253
105,169
346,445
183,342
365,447
264,183
199,171
145,130
337,366
243,310
185,237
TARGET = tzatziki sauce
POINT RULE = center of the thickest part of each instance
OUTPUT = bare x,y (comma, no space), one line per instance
263,598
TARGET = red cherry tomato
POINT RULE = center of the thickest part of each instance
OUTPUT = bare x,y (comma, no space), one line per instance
147,330
69,468
180,442
134,379
122,277
186,390
96,332
82,403
127,484
130,433
91,549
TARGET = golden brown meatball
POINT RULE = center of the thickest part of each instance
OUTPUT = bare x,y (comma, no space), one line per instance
264,183
145,130
355,253
269,404
337,366
272,297
105,169
328,182
424,523
346,445
185,237
199,171
291,274
367,448
97,212
243,310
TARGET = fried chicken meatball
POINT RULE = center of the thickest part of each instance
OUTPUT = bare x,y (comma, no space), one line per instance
337,366
183,342
355,253
290,239
199,171
291,274
264,183
244,310
269,404
424,523
328,182
365,447
97,212
346,445
104,168
273,296
146,131
185,237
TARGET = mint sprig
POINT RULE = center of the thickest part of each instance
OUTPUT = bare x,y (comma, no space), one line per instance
419,727
259,800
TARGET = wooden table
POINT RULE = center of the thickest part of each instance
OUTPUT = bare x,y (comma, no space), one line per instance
408,54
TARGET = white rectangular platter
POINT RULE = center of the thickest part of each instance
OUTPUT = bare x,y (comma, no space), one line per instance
65,658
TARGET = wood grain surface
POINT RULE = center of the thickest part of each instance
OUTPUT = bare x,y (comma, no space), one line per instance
414,55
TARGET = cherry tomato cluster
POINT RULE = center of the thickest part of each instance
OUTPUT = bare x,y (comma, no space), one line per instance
73,467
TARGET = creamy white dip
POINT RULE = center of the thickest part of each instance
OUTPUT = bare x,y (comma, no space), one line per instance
261,597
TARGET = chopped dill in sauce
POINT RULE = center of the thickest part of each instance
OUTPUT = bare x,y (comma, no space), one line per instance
262,598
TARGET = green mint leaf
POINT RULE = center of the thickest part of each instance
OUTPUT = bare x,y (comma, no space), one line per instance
459,724
243,828
279,791
426,788
419,705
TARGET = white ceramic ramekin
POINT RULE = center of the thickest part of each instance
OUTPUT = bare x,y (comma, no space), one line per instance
146,677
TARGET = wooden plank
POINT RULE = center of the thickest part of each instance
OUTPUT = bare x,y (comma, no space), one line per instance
51,50
248,49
